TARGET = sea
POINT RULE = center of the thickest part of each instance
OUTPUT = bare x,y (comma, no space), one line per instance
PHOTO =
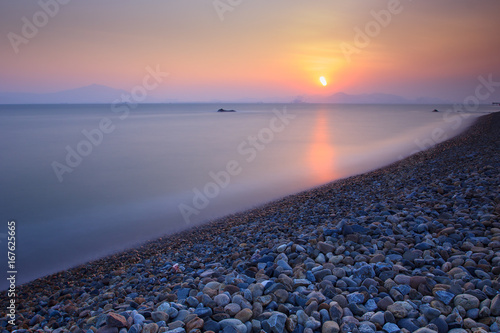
84,181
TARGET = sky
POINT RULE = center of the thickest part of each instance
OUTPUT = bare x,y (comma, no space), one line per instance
258,49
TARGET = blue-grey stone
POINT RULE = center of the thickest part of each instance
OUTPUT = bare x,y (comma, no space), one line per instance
357,309
277,322
310,276
473,313
136,328
203,312
266,258
313,324
371,305
404,289
181,315
183,293
441,324
138,318
320,274
357,298
421,228
302,317
283,264
444,296
408,324
172,312
429,312
325,315
192,302
211,325
364,272
391,328
365,328
423,246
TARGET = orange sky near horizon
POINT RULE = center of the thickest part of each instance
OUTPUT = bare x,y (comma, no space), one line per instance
259,50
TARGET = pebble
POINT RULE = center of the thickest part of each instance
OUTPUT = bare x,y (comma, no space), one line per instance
391,328
116,320
466,301
330,327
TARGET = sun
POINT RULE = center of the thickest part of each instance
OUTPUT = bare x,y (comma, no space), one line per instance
323,81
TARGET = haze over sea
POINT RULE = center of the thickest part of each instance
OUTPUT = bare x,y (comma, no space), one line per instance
166,167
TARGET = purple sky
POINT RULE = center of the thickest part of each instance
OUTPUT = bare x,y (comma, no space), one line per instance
255,49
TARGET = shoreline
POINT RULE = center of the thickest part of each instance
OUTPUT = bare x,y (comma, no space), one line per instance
309,220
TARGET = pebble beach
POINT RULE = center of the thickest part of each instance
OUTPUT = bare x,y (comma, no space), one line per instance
412,247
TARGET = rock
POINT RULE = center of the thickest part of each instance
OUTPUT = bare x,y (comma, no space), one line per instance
211,325
283,264
495,306
429,312
398,310
172,312
281,248
277,323
244,315
408,324
402,279
440,324
357,298
195,323
302,317
364,272
102,329
336,312
234,323
378,318
181,315
320,274
159,316
134,329
403,289
416,281
150,328
444,296
330,327
391,328
231,289
116,320
232,309
222,300
425,330
384,303
325,247
366,328
138,318
36,319
466,301
379,257
176,330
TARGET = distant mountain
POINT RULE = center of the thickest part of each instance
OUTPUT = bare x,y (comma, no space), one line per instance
90,94
96,93
375,98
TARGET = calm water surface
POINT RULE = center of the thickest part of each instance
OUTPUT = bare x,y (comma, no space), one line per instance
83,181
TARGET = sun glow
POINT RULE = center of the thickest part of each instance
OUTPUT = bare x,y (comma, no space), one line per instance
323,81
